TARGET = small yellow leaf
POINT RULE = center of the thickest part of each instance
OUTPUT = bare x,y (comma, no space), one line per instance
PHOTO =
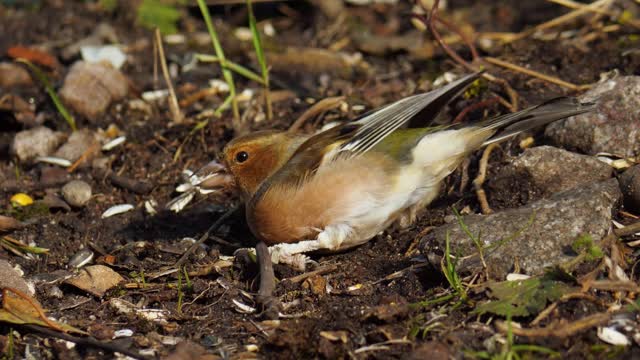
21,199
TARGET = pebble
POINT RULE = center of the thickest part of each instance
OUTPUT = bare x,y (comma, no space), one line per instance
81,143
13,279
77,193
40,141
630,186
54,292
104,83
12,75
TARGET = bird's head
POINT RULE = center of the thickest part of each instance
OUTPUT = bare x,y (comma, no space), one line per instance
252,158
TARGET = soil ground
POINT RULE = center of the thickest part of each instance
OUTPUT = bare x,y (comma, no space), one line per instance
363,298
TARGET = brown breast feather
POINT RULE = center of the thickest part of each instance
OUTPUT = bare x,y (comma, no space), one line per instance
287,214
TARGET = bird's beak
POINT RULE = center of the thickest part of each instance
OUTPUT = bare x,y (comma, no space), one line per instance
213,176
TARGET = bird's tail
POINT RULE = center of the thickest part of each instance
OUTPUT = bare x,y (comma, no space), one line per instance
513,124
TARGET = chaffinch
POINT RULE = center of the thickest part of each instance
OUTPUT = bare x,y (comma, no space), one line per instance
339,188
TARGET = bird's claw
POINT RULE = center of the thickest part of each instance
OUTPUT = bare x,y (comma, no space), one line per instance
280,255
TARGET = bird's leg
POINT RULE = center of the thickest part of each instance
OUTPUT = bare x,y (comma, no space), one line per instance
409,215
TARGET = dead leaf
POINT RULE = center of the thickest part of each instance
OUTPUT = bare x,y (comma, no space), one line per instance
20,308
33,55
8,223
96,280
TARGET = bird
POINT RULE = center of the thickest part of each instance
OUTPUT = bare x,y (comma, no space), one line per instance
339,188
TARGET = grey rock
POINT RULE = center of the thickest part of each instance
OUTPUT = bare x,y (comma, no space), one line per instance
630,186
13,279
40,141
537,236
613,128
77,193
90,88
553,170
78,144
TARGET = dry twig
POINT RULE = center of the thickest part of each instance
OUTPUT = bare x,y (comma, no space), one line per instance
479,180
86,341
563,19
318,108
532,73
560,329
205,236
174,107
579,295
319,271
429,23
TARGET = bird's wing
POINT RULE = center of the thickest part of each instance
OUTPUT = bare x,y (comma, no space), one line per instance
359,136
376,126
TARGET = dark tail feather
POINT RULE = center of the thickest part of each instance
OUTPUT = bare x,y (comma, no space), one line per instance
545,113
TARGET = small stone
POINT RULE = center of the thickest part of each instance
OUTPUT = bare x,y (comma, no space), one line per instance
190,350
101,81
81,142
13,279
54,292
13,75
391,308
100,163
552,170
614,127
22,110
40,141
433,350
51,176
101,331
96,279
77,193
630,186
535,236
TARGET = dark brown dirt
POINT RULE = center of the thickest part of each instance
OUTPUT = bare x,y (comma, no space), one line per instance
370,309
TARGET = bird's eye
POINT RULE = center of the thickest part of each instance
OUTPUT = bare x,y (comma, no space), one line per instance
242,156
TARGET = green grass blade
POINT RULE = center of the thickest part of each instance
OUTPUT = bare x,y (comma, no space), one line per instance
237,68
52,93
22,248
226,73
257,44
246,72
